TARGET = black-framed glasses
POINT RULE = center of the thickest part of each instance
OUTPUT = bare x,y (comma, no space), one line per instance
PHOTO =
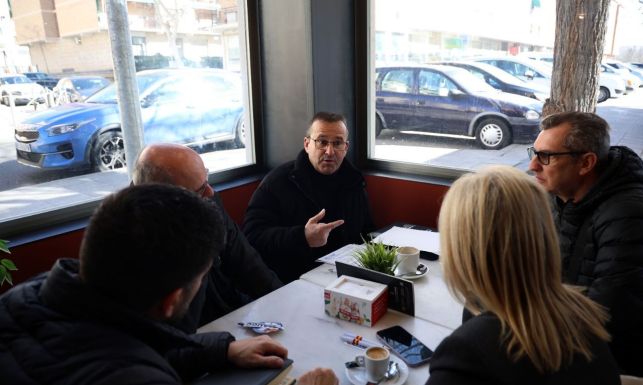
322,144
543,156
204,186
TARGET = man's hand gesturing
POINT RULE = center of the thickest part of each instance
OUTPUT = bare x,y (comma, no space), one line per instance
317,233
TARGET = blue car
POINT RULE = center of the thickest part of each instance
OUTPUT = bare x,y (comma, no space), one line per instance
450,101
190,106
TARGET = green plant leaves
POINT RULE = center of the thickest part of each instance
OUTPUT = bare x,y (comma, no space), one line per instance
377,256
5,276
4,247
6,265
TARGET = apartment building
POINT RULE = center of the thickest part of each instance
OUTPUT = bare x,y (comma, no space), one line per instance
71,36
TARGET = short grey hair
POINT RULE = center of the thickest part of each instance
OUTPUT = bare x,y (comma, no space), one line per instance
588,132
328,117
146,172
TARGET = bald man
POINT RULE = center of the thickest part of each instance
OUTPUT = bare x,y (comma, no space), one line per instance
238,275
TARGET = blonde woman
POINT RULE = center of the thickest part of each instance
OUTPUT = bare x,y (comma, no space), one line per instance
501,258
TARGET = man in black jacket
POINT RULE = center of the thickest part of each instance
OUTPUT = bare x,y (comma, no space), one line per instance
284,217
238,274
106,318
598,208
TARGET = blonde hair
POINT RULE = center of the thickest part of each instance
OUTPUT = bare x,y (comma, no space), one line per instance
500,254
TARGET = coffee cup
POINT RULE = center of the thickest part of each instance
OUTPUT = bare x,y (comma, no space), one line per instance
408,258
375,361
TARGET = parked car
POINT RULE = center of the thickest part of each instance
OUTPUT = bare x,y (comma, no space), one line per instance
502,80
611,83
189,106
539,72
42,78
632,76
22,89
637,65
450,101
531,71
78,88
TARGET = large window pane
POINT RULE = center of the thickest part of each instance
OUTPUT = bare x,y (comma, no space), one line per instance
460,84
60,136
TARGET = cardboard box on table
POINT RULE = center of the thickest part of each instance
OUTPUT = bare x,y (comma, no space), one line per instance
356,300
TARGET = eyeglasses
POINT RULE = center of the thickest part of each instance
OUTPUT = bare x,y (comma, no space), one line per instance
322,144
543,156
205,184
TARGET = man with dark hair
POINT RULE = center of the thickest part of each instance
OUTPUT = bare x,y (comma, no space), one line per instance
238,274
103,319
283,219
598,207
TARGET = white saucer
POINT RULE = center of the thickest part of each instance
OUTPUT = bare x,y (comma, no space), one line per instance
413,277
357,376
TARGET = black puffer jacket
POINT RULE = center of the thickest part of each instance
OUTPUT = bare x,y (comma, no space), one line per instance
54,330
602,247
288,197
476,353
237,276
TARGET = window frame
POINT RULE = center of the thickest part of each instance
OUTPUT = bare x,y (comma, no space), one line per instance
365,110
64,219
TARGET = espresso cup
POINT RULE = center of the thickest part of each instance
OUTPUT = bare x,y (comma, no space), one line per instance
375,361
408,258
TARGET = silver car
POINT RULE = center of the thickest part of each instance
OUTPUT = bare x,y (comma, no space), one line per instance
21,89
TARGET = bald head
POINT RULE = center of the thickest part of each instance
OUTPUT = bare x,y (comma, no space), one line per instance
174,164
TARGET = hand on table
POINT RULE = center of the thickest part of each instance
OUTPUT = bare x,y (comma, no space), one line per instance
317,233
318,376
256,352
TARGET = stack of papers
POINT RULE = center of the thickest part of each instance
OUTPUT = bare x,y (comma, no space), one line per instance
423,240
396,236
344,254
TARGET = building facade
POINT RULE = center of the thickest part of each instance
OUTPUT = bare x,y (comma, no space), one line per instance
71,36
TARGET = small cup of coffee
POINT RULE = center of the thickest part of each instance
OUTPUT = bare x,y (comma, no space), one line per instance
375,361
408,258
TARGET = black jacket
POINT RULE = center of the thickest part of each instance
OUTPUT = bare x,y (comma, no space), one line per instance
55,330
237,276
602,248
474,354
288,197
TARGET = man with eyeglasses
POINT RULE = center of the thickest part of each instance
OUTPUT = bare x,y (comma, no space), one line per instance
238,274
311,206
598,207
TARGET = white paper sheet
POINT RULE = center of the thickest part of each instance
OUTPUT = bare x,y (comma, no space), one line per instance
344,254
421,239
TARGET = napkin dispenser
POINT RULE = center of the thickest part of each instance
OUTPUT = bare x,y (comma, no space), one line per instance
356,300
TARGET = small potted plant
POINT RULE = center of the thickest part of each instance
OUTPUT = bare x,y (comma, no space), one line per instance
377,256
6,265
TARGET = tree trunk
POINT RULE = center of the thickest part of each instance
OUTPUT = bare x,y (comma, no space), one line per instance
169,19
578,51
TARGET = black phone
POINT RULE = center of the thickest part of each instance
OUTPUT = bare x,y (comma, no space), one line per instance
405,345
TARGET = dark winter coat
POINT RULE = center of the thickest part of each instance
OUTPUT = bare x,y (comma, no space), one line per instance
474,354
237,277
288,197
602,248
55,330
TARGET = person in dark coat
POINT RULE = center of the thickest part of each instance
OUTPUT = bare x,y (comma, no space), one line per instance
238,274
501,258
598,209
106,319
309,207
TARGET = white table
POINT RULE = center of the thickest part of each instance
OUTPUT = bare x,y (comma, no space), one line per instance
312,337
433,301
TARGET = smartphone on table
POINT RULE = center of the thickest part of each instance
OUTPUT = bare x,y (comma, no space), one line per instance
405,345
